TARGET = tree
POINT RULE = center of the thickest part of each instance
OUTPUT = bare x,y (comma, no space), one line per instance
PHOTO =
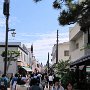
11,56
62,69
71,12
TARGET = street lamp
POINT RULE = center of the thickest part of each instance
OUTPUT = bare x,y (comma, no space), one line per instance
6,13
13,33
6,49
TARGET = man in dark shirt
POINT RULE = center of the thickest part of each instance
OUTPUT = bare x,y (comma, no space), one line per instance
34,85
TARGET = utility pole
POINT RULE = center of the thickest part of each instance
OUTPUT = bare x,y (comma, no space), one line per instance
57,49
48,63
6,13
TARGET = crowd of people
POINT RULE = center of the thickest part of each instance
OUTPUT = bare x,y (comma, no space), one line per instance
34,81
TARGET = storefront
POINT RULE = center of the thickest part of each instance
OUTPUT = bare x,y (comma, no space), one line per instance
82,71
24,70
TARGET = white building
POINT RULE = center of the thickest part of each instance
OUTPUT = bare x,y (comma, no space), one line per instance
63,52
36,65
22,60
80,54
79,42
30,56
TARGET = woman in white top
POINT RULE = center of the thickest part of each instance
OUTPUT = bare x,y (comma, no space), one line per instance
51,79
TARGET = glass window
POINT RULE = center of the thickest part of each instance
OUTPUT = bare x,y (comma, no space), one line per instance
24,57
77,45
66,53
21,56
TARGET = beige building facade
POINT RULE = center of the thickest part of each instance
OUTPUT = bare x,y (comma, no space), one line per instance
78,43
63,52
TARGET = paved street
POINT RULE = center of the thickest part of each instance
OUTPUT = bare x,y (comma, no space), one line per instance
44,54
9,89
24,88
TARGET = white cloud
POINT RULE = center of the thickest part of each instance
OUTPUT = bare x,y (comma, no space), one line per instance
44,44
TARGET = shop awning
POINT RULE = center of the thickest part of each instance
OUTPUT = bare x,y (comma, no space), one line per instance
27,69
80,60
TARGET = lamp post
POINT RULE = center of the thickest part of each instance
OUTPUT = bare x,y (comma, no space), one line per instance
6,48
6,13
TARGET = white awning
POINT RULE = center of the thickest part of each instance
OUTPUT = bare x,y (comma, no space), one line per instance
27,69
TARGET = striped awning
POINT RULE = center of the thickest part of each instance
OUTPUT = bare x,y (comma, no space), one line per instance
27,69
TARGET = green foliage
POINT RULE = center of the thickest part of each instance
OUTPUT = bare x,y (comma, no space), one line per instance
15,53
3,53
70,16
56,4
68,77
36,0
10,56
71,12
63,71
62,67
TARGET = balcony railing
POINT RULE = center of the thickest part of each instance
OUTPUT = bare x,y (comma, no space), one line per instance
74,32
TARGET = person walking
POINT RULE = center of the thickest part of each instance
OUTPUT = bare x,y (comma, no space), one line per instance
24,78
4,82
14,82
34,85
57,85
69,86
51,79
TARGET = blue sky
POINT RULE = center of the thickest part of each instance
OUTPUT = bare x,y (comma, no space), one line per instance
35,23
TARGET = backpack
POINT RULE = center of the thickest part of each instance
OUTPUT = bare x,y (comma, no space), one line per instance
3,82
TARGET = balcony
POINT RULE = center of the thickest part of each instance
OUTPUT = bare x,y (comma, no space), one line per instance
75,32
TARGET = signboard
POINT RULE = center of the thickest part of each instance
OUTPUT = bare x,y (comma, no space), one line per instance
87,68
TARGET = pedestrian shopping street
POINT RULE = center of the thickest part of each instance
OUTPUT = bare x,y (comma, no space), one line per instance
45,45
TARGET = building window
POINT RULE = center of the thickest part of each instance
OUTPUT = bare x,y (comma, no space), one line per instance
66,53
38,65
77,45
21,56
24,57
